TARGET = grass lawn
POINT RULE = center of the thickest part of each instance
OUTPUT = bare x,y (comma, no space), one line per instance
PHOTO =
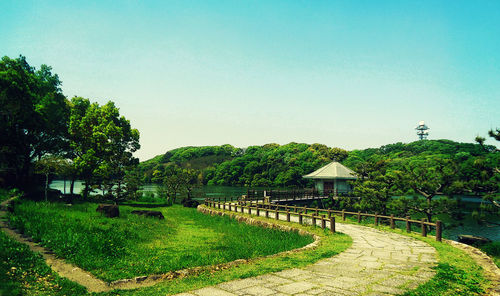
23,272
133,245
330,245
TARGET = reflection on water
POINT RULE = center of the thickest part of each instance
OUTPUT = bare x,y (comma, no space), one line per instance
467,226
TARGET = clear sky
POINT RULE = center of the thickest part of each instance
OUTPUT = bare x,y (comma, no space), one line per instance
350,74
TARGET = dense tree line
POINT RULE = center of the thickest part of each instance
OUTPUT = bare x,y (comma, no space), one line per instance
268,165
417,171
45,133
421,171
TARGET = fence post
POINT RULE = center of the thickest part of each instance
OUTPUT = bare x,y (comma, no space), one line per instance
242,209
258,210
313,220
277,214
408,225
332,224
267,213
343,214
439,228
424,227
229,206
250,209
392,222
300,218
288,215
317,211
376,219
323,222
359,216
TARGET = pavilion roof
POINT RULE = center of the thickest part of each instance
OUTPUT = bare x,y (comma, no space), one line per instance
333,170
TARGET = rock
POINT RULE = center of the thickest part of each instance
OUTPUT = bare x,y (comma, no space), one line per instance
154,214
109,211
190,203
473,240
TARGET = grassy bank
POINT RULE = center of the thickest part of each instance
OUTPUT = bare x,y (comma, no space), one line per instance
23,272
133,245
330,245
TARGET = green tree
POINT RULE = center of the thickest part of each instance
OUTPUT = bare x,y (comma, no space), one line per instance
33,118
133,183
488,181
47,165
376,188
426,179
102,143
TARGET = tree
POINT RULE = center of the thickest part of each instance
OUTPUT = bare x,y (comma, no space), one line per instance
102,142
133,183
49,164
489,181
426,179
376,187
33,118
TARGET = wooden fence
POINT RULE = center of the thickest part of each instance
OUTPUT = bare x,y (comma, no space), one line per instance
323,215
289,195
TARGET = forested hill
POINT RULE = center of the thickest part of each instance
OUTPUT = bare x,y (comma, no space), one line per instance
284,165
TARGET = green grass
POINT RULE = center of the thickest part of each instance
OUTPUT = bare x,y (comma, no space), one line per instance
456,273
23,272
330,245
133,245
493,250
5,193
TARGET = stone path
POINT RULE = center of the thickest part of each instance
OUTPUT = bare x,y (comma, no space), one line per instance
377,263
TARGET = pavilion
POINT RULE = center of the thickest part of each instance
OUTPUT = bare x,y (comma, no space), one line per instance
332,178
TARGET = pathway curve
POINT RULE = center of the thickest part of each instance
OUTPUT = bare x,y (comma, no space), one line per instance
64,269
377,263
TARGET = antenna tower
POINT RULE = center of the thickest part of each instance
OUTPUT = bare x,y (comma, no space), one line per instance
422,132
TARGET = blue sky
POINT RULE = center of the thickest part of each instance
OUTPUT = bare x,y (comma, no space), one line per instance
350,74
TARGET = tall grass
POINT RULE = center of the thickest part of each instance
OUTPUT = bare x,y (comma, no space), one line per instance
133,245
23,272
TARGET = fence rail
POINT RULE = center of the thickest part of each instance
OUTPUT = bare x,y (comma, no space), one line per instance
289,195
322,215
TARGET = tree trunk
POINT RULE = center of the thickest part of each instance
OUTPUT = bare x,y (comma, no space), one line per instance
72,185
86,189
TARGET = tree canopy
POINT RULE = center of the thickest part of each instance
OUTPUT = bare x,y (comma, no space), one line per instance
38,123
33,118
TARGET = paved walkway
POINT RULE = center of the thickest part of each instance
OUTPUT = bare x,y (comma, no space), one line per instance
377,263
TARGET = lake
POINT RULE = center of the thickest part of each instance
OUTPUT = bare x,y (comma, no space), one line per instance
466,226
